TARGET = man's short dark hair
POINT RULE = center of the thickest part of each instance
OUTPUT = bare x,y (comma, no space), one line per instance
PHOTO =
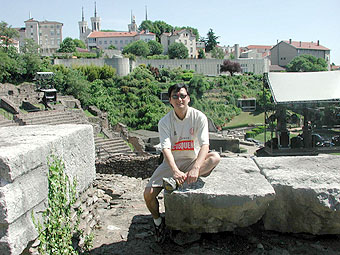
177,87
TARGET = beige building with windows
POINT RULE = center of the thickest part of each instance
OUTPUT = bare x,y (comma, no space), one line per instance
283,52
47,34
183,36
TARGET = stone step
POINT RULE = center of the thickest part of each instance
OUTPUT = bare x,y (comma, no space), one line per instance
47,117
110,142
7,123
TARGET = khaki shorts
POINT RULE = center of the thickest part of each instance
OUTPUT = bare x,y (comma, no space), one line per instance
163,170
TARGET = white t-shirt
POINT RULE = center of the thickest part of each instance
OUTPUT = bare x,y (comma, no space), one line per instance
184,137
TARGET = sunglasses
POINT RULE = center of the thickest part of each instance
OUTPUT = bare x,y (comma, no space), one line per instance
177,96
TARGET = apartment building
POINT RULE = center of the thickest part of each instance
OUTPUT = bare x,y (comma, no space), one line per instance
184,36
283,52
47,34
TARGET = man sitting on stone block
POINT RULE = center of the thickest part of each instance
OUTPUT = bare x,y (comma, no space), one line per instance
184,138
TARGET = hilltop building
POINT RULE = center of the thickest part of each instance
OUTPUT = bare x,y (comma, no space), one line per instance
47,34
184,36
96,39
283,52
256,51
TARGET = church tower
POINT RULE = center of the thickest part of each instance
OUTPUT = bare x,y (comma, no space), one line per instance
95,21
83,28
133,26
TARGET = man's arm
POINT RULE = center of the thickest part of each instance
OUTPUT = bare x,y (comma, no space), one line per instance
193,173
177,173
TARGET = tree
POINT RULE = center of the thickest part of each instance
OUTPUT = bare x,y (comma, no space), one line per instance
217,52
211,41
146,25
31,59
112,47
231,67
155,48
79,43
67,45
7,34
307,63
178,50
201,53
138,48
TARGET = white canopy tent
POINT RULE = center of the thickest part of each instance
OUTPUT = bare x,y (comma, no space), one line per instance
304,87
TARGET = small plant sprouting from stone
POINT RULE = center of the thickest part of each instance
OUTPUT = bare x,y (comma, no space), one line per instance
58,231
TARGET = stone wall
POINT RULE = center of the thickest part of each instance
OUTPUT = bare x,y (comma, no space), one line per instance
136,166
24,153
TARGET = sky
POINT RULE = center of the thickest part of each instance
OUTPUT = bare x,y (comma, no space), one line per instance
246,22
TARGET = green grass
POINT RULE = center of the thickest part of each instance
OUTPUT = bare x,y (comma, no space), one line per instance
260,137
246,119
88,114
6,114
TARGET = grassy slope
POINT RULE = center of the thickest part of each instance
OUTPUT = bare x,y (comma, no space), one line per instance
247,118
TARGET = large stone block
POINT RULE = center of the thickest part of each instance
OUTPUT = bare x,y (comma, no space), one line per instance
24,153
307,194
234,195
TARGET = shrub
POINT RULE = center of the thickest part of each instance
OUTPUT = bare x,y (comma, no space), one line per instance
56,234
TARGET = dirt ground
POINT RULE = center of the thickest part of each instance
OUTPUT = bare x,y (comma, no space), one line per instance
126,228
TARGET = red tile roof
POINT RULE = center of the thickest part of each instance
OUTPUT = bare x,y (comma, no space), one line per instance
268,47
177,32
99,34
306,45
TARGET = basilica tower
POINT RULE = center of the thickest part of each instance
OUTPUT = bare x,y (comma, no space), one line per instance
95,21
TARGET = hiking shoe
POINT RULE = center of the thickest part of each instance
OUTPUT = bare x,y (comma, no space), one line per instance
160,231
170,184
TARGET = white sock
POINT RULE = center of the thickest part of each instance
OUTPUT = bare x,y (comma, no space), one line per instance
158,221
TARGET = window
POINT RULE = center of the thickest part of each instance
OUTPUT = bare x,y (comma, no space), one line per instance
121,41
187,67
100,42
52,32
185,42
105,42
116,42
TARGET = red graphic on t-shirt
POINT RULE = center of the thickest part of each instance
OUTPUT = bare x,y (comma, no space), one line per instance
187,145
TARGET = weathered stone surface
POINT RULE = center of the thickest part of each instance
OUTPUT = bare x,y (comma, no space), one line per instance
24,152
307,194
234,195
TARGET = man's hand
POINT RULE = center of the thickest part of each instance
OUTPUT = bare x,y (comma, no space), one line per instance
180,177
192,175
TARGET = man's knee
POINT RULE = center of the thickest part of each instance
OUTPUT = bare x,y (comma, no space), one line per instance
215,158
150,193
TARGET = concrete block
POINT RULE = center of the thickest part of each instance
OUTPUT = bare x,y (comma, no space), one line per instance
234,195
24,152
307,194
